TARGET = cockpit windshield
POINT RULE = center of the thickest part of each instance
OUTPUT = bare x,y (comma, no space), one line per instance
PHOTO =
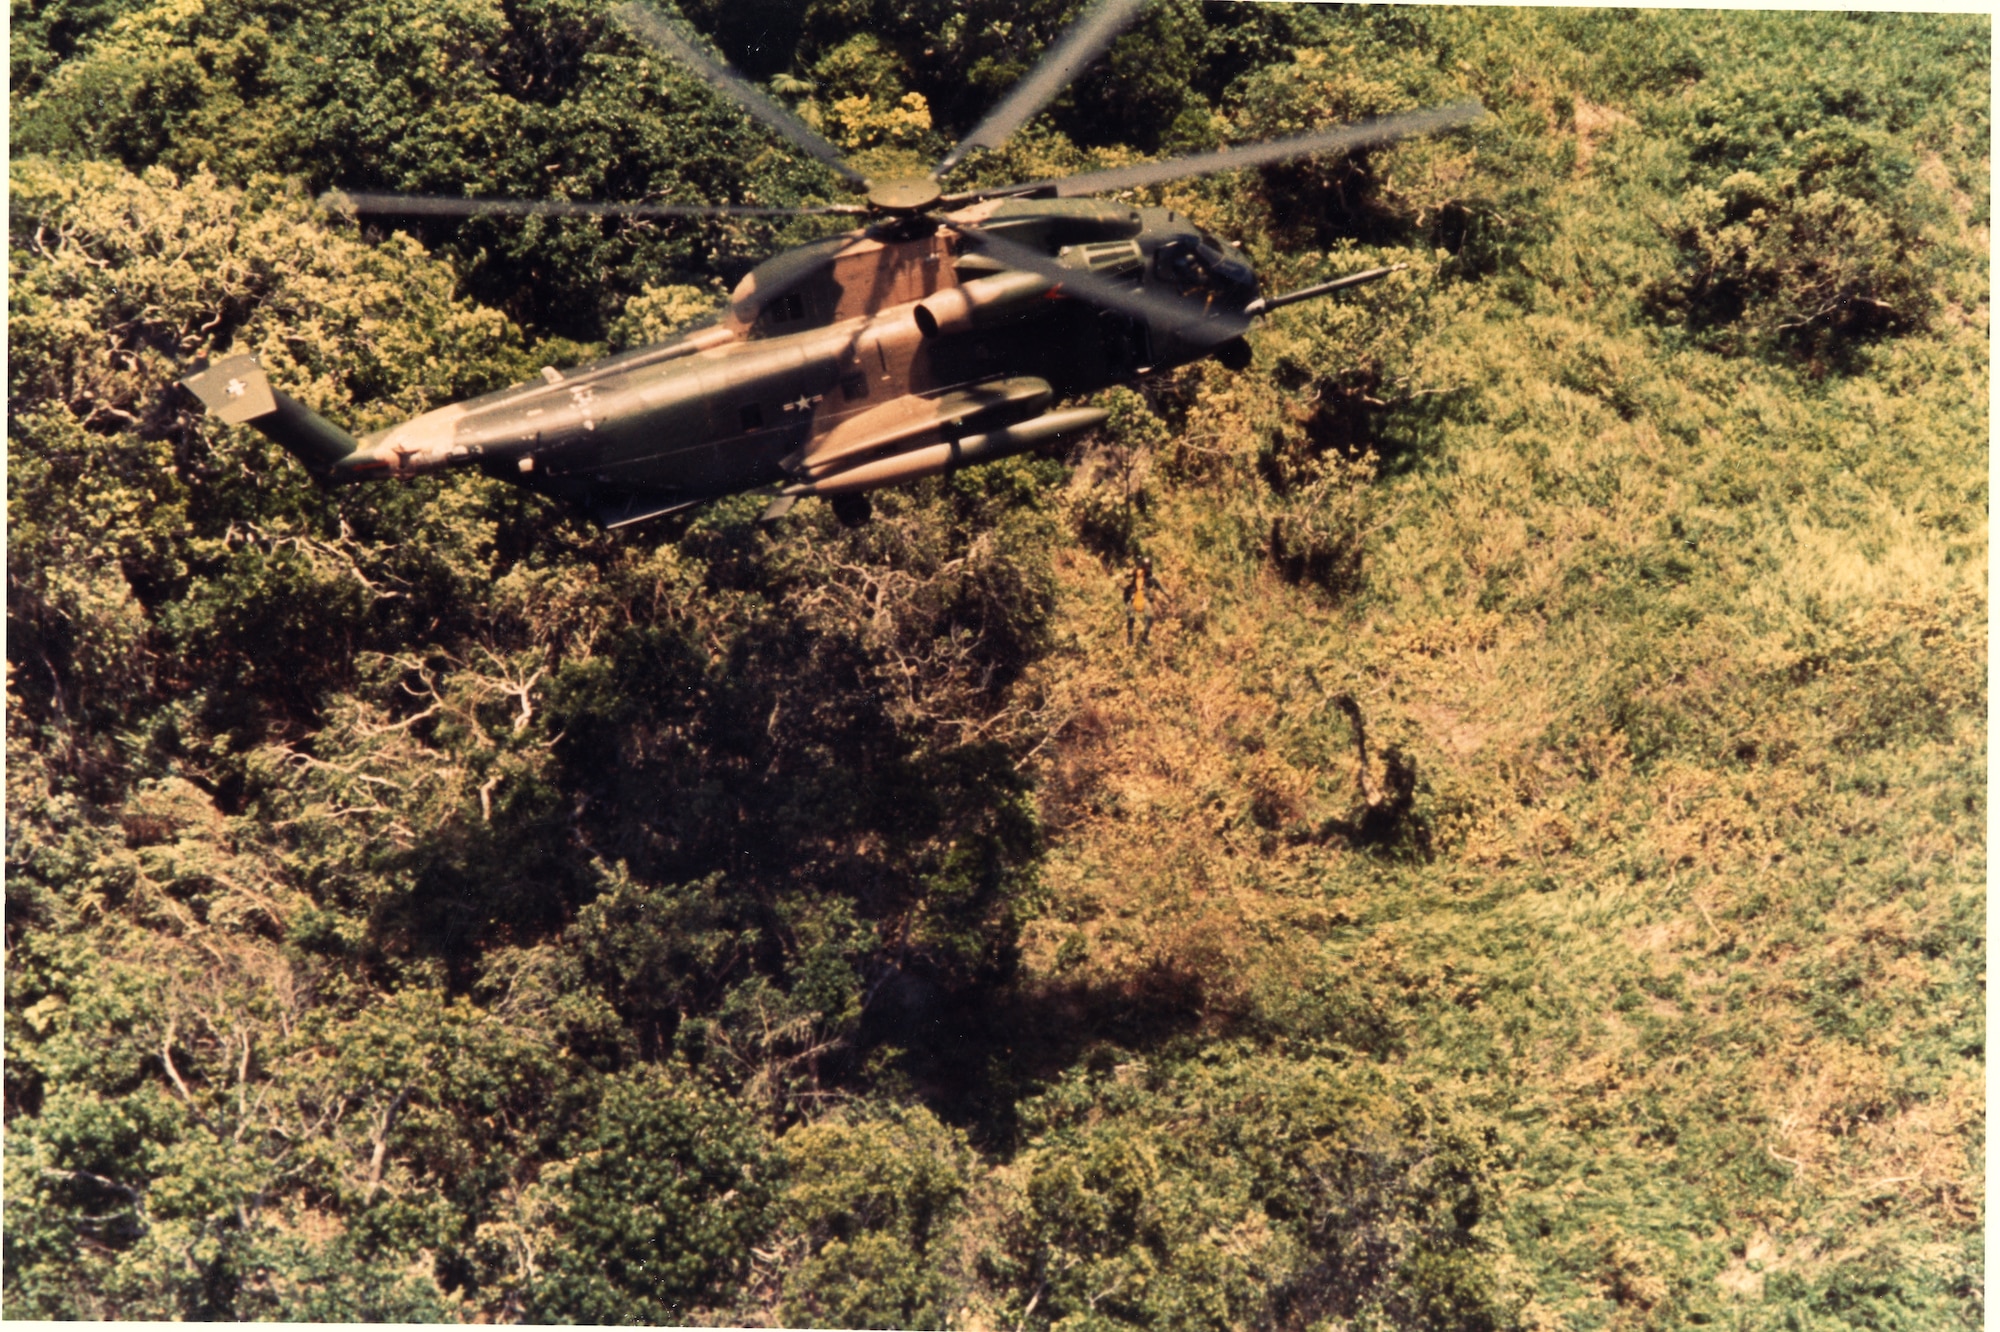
1183,264
1203,264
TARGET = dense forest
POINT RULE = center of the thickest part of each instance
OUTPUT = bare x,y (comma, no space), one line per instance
1533,877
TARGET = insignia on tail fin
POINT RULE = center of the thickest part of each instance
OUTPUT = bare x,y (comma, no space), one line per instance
235,390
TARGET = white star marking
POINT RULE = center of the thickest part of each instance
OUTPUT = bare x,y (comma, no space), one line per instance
804,403
235,388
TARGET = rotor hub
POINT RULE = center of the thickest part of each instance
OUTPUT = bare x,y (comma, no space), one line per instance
913,194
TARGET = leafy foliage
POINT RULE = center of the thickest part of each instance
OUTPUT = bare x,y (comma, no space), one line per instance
367,740
1241,1189
871,1200
654,1209
1533,877
500,100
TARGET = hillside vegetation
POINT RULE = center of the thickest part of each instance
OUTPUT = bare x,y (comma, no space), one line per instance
1532,878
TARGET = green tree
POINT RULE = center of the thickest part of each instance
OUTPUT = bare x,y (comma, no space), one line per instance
544,99
1239,1188
870,1203
654,1209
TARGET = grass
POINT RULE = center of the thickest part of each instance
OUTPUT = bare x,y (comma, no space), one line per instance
1687,655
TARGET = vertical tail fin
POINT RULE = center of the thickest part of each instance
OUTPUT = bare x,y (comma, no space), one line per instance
235,390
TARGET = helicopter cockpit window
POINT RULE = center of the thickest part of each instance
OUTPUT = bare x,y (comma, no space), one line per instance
1181,264
790,306
1212,253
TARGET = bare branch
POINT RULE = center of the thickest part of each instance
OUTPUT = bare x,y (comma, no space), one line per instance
167,1060
386,1122
91,1177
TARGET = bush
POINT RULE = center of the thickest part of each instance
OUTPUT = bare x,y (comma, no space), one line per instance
1241,1188
1802,231
655,1207
870,1201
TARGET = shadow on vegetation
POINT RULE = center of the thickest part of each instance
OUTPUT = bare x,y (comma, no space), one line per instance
974,1056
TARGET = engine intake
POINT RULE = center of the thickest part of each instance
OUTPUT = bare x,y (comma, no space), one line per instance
980,303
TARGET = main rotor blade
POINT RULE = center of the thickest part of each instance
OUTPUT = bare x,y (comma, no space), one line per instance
653,28
430,205
1342,139
1165,313
1059,65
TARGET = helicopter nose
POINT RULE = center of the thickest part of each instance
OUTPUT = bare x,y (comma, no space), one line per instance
1231,278
1238,281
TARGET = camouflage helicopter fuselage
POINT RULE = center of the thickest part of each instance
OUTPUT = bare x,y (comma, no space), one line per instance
865,360
940,335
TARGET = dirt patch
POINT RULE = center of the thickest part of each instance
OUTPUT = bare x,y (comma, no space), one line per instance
1594,124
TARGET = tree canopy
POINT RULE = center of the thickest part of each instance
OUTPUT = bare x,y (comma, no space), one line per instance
1533,878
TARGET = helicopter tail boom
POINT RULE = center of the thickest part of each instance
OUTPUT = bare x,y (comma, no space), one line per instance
235,390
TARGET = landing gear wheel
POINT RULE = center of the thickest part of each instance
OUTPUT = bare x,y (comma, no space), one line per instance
852,510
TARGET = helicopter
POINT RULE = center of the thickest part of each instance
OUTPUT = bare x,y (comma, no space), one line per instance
945,331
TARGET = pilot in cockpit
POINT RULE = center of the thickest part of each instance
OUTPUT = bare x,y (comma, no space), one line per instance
1202,265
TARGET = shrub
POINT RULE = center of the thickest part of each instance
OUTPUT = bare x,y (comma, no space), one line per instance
653,1211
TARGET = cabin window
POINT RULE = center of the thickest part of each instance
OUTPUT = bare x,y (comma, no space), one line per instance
790,306
854,386
753,417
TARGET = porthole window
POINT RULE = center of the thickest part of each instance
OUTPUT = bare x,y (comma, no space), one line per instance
753,417
854,386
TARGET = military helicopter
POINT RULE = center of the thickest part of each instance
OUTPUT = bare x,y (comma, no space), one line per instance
942,333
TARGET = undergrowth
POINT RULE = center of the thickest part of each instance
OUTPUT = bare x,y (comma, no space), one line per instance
1678,658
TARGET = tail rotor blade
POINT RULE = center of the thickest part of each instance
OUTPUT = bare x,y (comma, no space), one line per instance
1373,133
653,28
1057,69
